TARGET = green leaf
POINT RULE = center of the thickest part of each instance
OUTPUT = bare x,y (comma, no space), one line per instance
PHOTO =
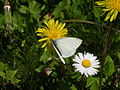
118,56
2,74
35,9
109,66
46,56
54,64
10,74
94,86
78,2
3,66
58,12
73,87
54,74
9,47
68,2
90,81
32,5
97,12
93,83
23,9
64,85
39,68
1,19
15,81
84,18
76,75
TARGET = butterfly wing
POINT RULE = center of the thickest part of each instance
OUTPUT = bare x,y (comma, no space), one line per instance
67,46
58,53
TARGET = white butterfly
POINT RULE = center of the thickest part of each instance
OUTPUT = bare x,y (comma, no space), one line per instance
66,47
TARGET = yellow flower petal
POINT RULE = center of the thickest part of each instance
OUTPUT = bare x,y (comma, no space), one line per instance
108,15
112,17
46,48
115,14
40,30
44,45
100,2
56,23
46,23
61,26
108,9
39,34
43,39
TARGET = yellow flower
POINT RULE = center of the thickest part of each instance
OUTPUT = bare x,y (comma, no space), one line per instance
53,30
111,6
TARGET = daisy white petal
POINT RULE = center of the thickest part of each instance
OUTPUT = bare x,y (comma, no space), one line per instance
80,56
77,59
86,64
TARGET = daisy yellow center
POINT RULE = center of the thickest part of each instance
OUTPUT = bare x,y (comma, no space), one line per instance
115,4
86,63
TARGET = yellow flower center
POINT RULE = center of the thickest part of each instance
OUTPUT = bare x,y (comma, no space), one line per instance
114,4
86,63
54,34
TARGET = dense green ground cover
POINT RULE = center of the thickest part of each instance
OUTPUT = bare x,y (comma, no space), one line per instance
23,61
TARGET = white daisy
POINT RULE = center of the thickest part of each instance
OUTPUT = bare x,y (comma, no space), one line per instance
86,64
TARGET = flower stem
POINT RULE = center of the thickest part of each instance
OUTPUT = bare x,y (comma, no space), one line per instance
90,22
83,82
105,53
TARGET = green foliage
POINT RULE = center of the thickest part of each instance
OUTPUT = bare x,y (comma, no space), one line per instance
46,56
97,12
119,56
3,66
39,69
65,85
93,83
8,75
109,66
69,9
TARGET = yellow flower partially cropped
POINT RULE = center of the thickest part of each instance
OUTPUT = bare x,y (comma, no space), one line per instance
53,30
110,6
